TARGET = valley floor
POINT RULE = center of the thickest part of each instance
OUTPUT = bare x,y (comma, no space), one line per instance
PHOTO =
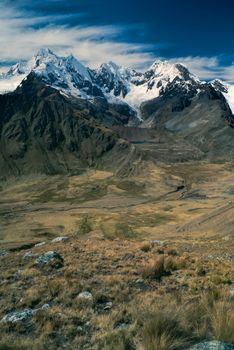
155,253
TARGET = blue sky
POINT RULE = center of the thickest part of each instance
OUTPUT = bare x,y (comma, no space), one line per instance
198,33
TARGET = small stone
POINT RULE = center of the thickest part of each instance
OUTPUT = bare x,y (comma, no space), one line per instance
139,281
157,242
121,326
45,307
85,296
108,306
59,239
40,244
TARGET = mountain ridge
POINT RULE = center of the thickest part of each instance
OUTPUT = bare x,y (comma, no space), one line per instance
64,117
110,81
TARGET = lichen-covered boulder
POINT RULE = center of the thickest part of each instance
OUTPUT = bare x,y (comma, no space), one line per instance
17,316
22,316
49,259
212,345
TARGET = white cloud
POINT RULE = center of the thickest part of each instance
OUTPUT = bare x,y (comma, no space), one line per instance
20,38
228,73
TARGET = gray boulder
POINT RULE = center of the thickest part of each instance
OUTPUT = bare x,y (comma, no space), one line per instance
50,259
212,345
17,316
22,316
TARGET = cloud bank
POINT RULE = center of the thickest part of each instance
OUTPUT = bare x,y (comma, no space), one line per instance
22,34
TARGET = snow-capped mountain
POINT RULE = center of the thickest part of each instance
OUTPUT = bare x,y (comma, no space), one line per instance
135,87
113,79
64,73
43,129
114,83
73,78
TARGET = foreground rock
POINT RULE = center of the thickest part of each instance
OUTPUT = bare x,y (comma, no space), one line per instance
213,345
103,304
50,259
85,296
59,239
22,316
40,244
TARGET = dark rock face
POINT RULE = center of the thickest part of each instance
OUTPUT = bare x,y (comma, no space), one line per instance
106,78
219,86
43,131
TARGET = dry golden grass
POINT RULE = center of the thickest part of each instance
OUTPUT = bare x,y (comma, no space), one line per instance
155,269
170,312
184,296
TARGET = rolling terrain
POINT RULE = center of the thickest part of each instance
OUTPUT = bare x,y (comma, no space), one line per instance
116,191
117,232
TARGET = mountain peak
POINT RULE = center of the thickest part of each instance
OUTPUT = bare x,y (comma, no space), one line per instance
44,52
168,71
110,66
167,67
